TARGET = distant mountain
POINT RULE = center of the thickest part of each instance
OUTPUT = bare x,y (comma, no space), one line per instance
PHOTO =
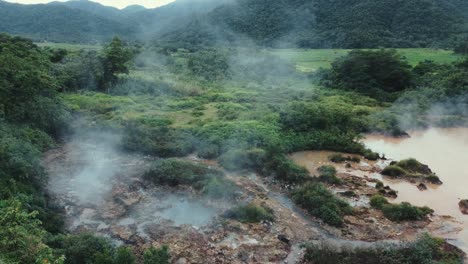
93,8
59,23
133,9
288,23
335,23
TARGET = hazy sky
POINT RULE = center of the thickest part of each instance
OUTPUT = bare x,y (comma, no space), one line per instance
116,3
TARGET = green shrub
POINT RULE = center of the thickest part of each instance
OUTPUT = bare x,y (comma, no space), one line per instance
320,202
239,159
328,175
405,212
285,170
219,188
370,155
123,255
156,255
83,248
250,213
175,172
394,171
337,158
378,201
379,185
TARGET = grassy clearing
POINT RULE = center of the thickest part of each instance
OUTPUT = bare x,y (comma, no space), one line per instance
314,59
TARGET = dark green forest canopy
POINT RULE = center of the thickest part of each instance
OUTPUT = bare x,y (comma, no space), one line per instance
290,23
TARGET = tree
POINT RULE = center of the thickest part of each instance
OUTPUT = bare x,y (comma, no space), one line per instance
21,236
157,255
374,73
115,59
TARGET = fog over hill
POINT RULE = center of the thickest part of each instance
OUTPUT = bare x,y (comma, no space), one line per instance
291,23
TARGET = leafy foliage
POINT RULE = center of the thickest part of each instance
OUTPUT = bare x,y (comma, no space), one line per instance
250,213
156,255
320,202
372,73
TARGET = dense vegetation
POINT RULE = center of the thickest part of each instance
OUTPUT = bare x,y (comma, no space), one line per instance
292,23
250,213
399,212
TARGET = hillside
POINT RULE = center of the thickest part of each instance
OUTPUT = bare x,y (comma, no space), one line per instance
281,23
59,23
342,23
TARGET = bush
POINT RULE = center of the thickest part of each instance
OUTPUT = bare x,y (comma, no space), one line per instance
379,185
123,255
320,202
339,158
394,171
175,172
370,155
405,212
328,175
378,201
219,188
285,170
239,159
156,255
250,213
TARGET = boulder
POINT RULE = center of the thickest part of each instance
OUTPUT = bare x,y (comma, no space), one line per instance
422,187
463,204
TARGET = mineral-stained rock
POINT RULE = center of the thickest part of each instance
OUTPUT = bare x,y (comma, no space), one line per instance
463,204
112,210
122,232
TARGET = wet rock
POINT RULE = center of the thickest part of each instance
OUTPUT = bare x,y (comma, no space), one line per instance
422,187
463,204
283,238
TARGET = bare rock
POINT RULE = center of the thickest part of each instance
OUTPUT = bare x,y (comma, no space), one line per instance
422,187
463,204
112,210
122,232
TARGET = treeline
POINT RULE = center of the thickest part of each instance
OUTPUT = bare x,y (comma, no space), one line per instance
282,23
329,24
419,93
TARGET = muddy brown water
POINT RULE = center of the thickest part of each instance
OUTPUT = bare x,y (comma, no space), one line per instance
446,152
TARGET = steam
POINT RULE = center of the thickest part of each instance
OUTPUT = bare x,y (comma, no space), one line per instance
89,168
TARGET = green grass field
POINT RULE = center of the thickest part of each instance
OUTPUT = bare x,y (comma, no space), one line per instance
314,59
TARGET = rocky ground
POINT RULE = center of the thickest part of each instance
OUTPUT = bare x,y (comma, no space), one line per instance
123,207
